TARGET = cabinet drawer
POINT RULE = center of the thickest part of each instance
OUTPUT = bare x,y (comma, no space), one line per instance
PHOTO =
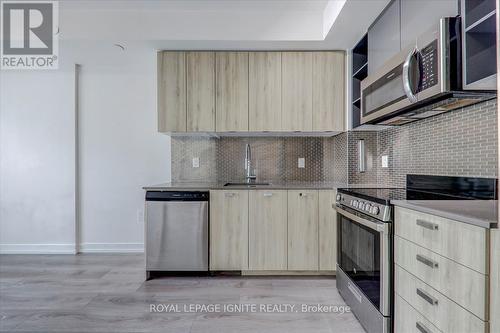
461,242
408,320
461,284
445,314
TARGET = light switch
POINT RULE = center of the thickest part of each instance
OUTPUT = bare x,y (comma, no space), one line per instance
302,162
196,162
385,161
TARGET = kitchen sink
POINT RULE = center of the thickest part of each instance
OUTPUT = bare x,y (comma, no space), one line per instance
246,184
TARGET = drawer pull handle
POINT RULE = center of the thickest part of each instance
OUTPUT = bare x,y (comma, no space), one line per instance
427,261
428,298
427,225
268,194
422,328
230,195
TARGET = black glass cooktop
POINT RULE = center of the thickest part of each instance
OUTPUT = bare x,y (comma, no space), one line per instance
423,187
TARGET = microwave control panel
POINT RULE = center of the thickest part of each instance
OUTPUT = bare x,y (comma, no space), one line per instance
429,66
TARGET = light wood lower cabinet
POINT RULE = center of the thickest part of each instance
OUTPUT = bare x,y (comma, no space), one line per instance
461,242
267,230
409,320
228,230
273,230
462,285
445,314
303,230
327,230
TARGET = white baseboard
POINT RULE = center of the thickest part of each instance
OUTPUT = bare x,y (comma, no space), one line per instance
37,249
111,248
70,248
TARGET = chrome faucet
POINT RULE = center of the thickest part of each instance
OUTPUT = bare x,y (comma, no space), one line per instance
250,177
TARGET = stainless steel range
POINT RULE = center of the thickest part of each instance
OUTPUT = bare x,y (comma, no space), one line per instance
365,239
364,263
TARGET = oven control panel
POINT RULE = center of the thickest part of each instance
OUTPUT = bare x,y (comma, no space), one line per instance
381,212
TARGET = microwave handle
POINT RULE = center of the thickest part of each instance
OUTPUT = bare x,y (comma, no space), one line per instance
406,77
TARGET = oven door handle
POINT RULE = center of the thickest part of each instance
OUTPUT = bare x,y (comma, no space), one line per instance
377,226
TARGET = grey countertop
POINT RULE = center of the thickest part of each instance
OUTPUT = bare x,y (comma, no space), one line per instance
482,213
220,186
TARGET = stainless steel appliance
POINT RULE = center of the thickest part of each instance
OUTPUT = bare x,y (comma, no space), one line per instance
423,80
176,231
365,239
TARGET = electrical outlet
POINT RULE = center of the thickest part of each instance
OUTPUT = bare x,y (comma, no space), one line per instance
385,161
196,162
140,215
302,162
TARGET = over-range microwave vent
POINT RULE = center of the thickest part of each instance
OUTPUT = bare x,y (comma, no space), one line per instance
433,107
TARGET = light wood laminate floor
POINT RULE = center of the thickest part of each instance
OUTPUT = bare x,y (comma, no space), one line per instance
107,293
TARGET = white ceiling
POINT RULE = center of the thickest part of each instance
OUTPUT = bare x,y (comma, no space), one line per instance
220,24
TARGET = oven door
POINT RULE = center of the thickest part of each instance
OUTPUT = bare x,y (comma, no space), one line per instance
364,255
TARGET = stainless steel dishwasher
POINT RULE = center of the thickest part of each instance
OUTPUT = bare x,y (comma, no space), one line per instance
176,231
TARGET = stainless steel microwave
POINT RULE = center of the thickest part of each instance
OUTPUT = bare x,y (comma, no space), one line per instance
423,80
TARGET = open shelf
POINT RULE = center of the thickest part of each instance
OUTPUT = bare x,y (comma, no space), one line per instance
476,10
480,50
359,73
360,55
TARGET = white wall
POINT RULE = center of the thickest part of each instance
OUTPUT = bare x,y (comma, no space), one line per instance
37,161
118,146
120,149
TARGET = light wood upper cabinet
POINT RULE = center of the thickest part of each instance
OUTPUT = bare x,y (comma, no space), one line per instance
203,91
267,228
231,91
303,230
264,89
200,71
297,91
171,91
327,231
229,230
328,88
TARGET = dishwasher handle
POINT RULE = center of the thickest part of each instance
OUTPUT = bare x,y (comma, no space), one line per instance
177,196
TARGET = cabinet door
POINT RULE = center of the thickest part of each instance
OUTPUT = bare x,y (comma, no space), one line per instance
267,230
264,91
232,91
303,230
171,91
328,91
297,91
384,37
228,230
420,16
327,231
200,91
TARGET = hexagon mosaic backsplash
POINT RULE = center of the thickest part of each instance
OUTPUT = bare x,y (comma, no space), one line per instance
274,159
